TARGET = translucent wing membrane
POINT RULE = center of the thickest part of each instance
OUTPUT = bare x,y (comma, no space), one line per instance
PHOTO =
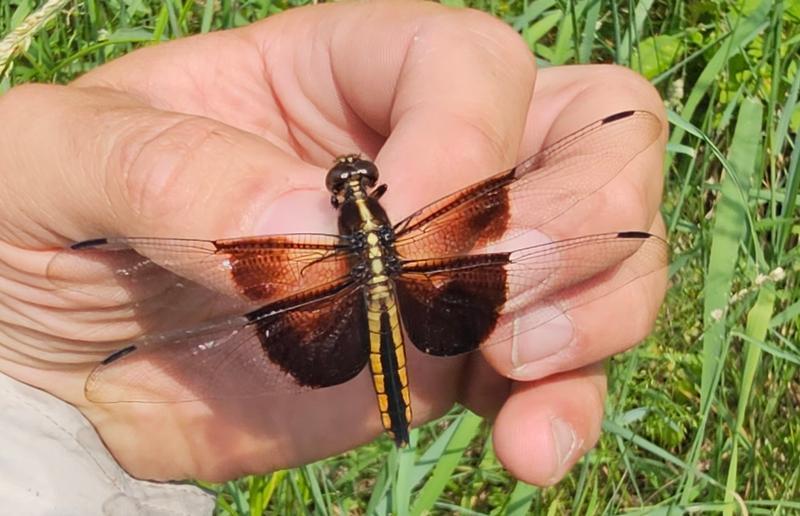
207,362
457,304
315,340
531,194
186,300
173,283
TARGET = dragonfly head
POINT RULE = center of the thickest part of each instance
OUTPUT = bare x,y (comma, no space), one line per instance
350,170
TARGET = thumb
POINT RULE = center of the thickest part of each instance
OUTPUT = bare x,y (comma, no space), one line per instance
77,163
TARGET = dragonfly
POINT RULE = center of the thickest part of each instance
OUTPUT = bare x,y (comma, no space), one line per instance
290,313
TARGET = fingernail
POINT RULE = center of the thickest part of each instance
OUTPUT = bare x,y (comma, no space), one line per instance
566,443
542,341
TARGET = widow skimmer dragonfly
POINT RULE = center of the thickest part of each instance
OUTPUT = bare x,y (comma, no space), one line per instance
288,313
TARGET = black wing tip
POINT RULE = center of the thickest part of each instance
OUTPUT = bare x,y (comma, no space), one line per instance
618,116
89,244
634,234
113,357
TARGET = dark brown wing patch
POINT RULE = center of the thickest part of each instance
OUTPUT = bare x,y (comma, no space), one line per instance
274,267
451,306
474,217
321,343
455,305
533,193
166,284
315,340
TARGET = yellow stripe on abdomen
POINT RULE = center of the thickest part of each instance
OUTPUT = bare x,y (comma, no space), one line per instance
388,361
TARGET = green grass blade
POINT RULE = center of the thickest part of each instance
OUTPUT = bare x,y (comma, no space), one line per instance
729,224
731,216
757,325
632,36
743,33
562,49
789,355
379,500
312,483
467,429
401,489
590,29
537,31
787,315
789,207
521,499
274,481
240,500
208,17
531,13
161,23
434,452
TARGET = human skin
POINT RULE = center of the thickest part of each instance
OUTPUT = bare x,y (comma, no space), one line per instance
230,134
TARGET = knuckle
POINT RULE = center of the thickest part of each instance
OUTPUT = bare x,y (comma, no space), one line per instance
23,97
482,143
481,23
158,164
642,315
629,84
481,35
623,204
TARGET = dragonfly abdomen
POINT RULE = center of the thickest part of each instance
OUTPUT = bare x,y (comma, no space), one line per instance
388,361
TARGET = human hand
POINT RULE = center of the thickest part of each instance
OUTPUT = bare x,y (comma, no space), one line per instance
228,134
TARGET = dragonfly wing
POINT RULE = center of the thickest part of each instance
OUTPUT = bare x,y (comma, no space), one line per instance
462,303
314,340
164,284
530,195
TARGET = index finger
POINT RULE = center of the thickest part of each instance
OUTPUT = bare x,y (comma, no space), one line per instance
94,162
438,95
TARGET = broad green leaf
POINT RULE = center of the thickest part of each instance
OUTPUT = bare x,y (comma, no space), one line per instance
521,498
656,54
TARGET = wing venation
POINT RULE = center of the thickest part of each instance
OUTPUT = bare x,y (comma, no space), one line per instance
457,304
532,194
314,340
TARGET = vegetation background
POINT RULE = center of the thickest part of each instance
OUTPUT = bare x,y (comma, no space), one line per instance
703,417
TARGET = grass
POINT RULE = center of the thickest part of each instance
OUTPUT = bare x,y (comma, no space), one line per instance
703,416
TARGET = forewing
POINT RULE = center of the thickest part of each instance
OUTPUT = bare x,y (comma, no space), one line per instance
177,283
312,341
531,194
457,304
